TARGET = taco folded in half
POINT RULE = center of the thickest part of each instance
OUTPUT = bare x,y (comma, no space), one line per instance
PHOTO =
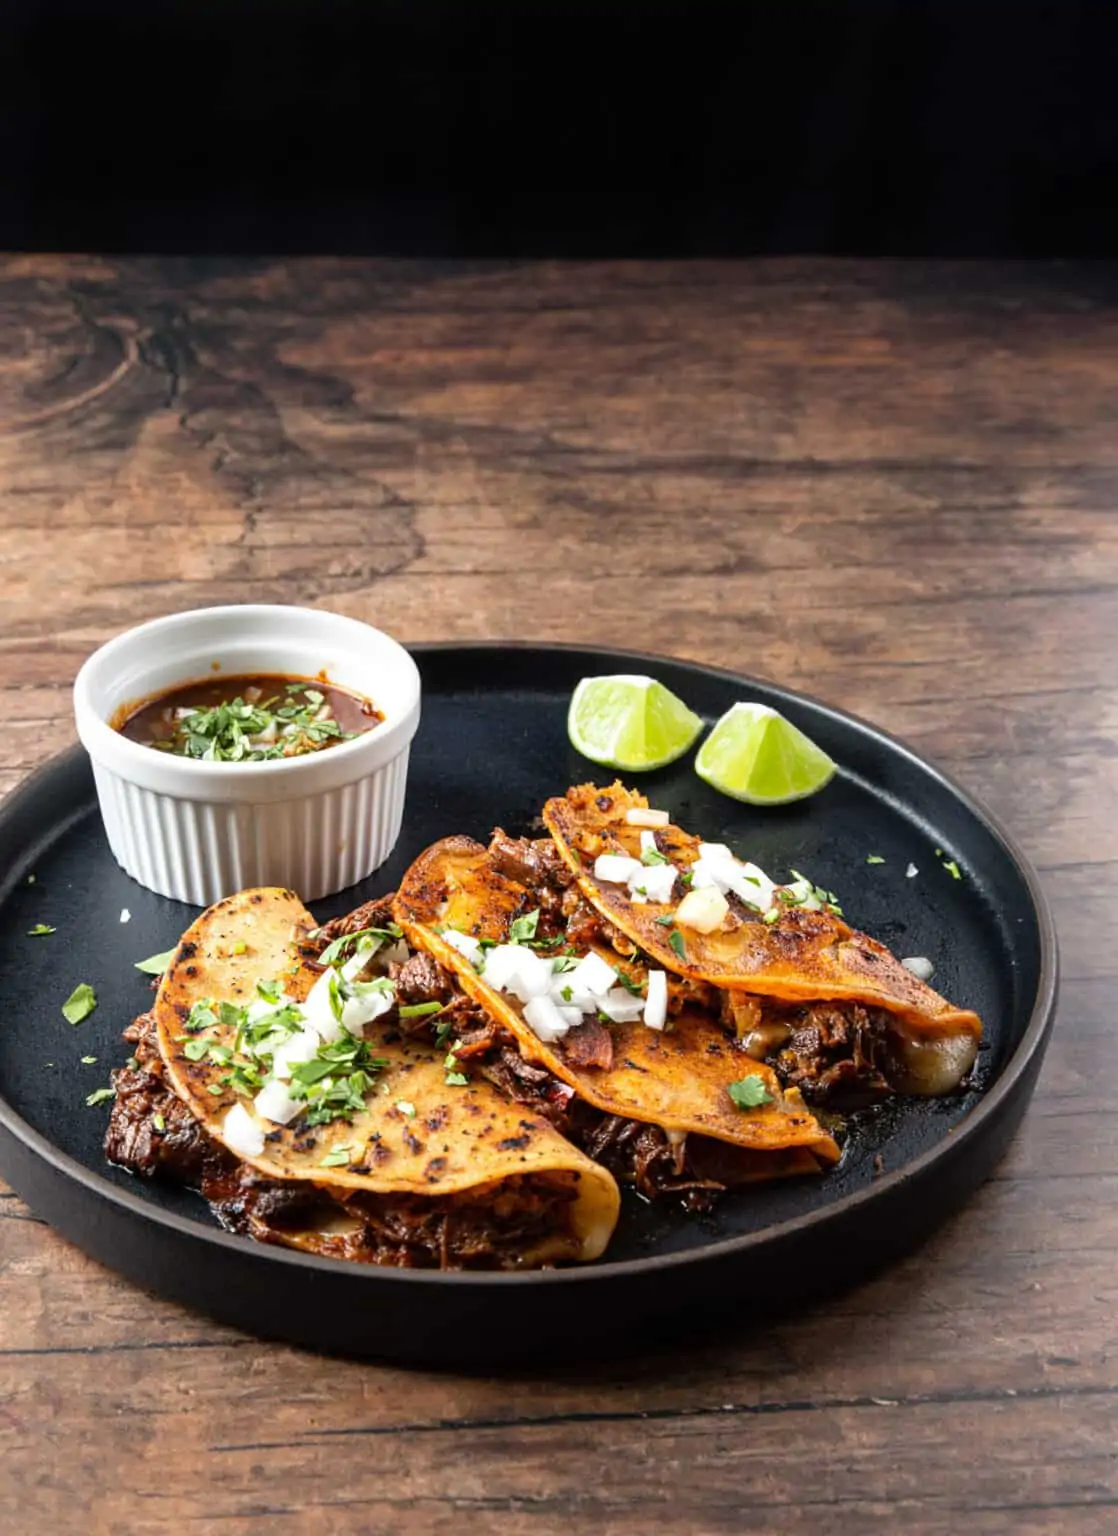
618,1053
830,1009
280,1074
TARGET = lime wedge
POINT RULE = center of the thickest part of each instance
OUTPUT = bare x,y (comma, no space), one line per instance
631,723
754,754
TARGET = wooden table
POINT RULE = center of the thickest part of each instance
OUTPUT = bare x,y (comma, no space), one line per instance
893,485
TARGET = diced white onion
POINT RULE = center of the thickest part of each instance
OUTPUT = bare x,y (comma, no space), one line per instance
676,1138
752,886
464,943
544,1019
325,713
397,954
356,1011
274,1102
621,1007
592,974
640,817
259,1008
570,1015
716,867
267,736
615,868
562,993
532,977
655,882
241,1133
500,964
517,969
703,910
712,877
359,1011
648,842
184,713
656,1003
364,952
920,966
125,915
301,1047
911,872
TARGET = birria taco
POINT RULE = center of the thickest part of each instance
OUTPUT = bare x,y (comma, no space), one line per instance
830,1009
280,1073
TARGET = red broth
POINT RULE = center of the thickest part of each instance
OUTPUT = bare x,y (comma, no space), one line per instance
248,718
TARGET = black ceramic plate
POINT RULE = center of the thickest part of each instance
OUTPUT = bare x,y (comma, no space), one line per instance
491,748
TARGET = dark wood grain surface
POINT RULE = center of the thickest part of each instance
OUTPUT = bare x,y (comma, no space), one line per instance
893,485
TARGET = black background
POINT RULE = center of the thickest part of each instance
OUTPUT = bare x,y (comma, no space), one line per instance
648,127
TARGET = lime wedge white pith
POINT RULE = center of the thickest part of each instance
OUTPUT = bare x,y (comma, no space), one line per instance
630,722
756,755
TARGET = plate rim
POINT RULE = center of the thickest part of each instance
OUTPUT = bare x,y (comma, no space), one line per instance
1033,1038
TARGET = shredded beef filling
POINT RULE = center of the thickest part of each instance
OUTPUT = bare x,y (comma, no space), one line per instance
420,979
837,1054
491,1229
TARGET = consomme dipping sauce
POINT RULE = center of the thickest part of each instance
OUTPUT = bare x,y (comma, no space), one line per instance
248,719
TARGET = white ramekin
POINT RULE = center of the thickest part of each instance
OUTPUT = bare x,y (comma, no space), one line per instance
198,831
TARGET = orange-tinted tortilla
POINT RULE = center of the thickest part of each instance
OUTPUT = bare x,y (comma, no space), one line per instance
805,956
458,1142
676,1079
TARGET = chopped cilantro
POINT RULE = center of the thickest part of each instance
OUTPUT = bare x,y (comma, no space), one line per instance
240,947
80,1004
405,1108
99,1095
270,991
195,1049
653,856
952,869
566,993
336,952
337,1157
237,731
874,858
87,1061
419,1010
664,921
216,1089
629,984
772,916
675,939
454,1078
155,965
40,931
523,929
336,1081
159,1122
201,1016
750,1092
442,1031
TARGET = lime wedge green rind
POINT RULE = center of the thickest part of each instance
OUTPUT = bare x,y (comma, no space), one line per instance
754,754
630,723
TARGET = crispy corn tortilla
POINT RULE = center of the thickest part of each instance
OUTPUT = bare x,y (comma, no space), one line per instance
677,1078
805,956
458,1141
